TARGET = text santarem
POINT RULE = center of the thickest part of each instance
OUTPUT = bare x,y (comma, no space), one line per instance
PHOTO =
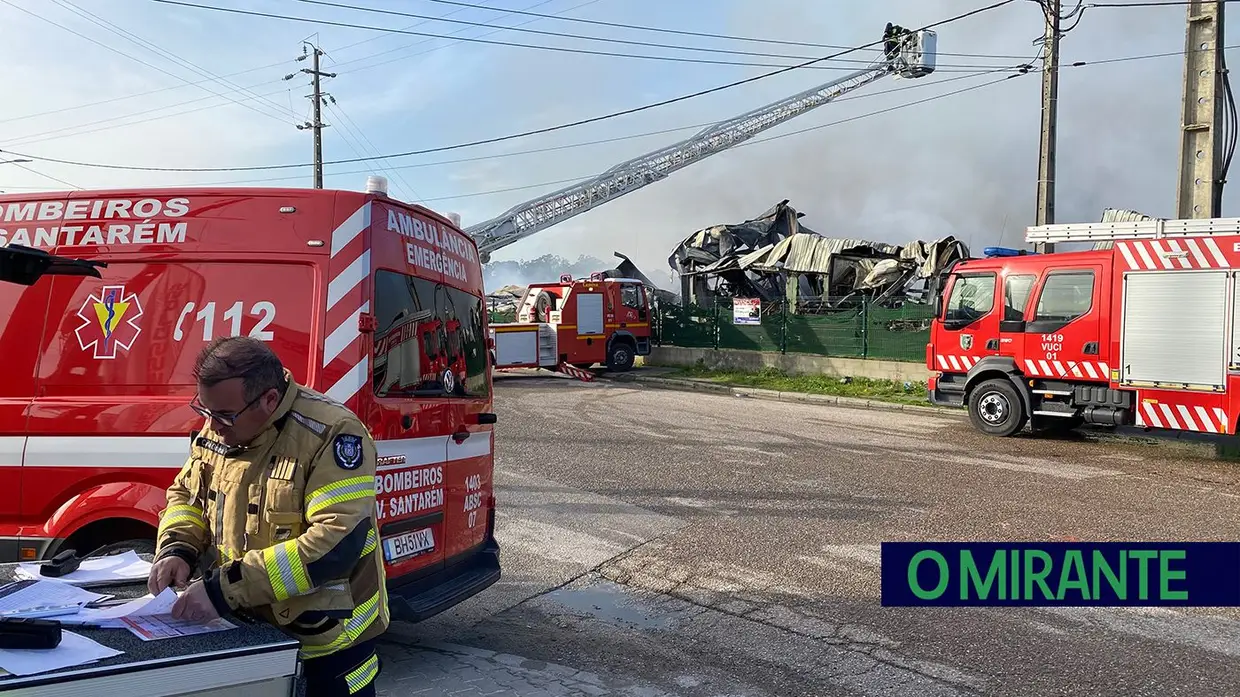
91,211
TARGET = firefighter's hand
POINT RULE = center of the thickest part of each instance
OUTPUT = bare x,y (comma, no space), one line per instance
193,605
169,571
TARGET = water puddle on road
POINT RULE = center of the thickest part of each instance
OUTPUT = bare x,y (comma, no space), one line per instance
611,603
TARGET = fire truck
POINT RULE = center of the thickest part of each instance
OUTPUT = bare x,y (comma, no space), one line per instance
373,302
1142,330
572,325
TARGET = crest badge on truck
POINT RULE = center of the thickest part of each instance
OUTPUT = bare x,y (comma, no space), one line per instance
109,321
966,342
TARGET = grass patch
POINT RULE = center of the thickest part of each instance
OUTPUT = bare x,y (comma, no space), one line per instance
771,379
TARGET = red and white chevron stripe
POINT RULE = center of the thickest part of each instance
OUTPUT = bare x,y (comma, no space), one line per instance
1182,417
579,373
1166,254
349,268
1084,370
958,364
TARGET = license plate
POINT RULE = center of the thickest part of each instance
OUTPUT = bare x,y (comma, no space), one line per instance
408,544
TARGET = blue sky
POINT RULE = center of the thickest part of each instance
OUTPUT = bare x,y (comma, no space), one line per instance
959,165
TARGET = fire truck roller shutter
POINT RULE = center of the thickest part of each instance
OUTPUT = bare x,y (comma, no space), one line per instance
998,401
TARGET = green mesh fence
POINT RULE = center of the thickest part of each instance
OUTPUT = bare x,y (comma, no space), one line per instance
862,330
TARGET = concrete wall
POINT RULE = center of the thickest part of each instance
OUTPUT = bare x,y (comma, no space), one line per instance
792,363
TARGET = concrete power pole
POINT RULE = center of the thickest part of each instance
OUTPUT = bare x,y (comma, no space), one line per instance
316,97
1050,111
1200,193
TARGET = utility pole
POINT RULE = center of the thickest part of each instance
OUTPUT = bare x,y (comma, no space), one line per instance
1050,110
316,97
1200,193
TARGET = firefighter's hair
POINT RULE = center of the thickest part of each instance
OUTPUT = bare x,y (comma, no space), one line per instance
240,357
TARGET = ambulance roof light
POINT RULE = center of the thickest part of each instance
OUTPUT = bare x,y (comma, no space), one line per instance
1004,252
376,184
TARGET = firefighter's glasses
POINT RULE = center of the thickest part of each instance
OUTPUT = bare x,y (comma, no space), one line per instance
227,418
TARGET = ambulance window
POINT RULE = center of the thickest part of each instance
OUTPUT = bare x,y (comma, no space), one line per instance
972,298
425,330
630,296
1016,290
1065,296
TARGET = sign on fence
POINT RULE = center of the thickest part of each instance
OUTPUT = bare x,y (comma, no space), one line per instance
746,311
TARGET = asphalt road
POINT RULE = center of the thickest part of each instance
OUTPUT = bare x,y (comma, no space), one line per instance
670,543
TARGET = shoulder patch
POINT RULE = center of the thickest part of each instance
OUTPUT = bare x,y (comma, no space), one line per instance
348,451
318,427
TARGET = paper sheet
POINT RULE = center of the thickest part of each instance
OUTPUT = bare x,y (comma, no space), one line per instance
152,627
32,598
96,570
139,607
74,650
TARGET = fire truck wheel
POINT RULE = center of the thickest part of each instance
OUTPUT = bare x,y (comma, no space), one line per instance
620,356
996,408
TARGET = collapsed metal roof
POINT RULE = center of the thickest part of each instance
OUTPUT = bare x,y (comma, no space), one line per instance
760,257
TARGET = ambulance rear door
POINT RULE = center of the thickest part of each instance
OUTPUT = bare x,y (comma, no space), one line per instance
407,416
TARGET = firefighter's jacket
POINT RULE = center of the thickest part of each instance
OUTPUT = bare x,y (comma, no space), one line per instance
283,528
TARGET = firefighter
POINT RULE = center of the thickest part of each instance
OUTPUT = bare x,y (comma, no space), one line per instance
274,507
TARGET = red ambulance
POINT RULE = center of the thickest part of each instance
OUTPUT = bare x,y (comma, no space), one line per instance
347,287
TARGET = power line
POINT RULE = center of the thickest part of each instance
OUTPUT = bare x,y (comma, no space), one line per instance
580,144
146,113
582,37
549,129
275,65
921,83
512,44
708,35
45,176
568,146
144,43
755,141
1167,3
116,51
45,136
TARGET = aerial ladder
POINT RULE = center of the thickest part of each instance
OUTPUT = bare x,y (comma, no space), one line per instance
906,54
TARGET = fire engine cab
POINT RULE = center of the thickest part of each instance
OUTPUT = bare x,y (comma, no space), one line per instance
574,324
1142,330
375,303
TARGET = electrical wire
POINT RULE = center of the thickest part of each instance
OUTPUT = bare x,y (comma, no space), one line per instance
1162,3
866,95
755,141
581,144
707,35
121,53
514,136
42,136
41,174
582,37
512,44
268,67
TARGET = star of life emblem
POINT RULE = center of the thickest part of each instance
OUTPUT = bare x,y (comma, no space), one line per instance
109,322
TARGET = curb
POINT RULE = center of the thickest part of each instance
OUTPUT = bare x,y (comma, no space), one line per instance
776,396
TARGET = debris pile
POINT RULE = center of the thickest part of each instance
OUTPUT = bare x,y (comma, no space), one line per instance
774,256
